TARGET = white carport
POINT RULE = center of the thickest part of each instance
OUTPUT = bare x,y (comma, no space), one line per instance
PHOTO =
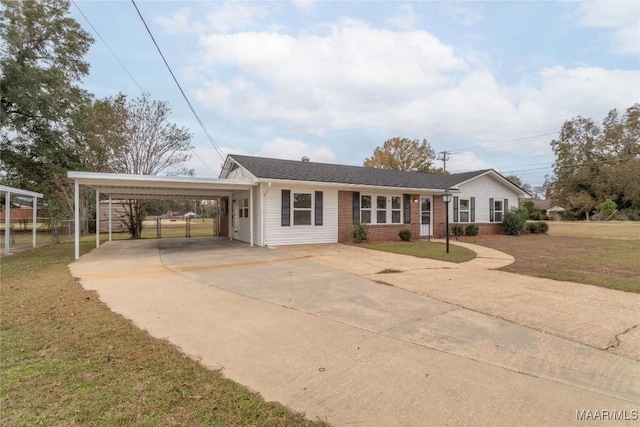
11,191
135,187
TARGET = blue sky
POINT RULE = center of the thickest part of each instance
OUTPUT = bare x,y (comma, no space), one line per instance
489,81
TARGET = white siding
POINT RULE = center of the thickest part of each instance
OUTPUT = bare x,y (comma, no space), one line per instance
239,173
484,188
276,234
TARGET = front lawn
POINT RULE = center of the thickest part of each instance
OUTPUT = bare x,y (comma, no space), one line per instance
432,250
66,359
574,255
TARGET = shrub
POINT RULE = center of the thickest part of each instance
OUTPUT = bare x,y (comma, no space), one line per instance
457,230
405,234
608,209
471,230
514,221
538,227
360,232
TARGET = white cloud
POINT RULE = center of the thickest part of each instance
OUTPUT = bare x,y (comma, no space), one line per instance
465,15
234,16
292,149
404,19
303,4
464,162
622,17
176,23
356,76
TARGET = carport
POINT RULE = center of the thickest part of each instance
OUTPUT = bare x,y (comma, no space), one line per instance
139,187
11,191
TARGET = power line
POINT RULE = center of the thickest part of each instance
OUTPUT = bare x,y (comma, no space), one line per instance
459,150
184,95
445,156
95,30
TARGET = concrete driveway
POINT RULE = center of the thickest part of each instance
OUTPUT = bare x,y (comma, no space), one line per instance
308,327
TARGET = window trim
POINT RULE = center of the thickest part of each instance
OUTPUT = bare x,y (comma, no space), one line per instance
310,209
467,210
388,210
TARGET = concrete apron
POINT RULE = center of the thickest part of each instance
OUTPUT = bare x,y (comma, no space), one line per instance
346,349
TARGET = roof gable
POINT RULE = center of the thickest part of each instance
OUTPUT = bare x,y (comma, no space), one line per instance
267,168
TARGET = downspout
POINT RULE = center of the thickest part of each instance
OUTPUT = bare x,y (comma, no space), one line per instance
263,195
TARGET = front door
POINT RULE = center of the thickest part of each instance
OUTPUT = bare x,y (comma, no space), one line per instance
425,216
224,217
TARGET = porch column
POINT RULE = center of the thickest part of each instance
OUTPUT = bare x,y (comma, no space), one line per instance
35,217
76,218
97,219
109,217
7,221
251,215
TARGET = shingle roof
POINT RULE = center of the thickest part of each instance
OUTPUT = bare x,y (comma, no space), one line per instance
266,168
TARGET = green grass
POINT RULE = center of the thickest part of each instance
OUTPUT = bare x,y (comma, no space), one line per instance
432,250
389,271
68,360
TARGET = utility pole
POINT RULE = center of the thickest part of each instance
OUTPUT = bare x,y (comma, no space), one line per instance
444,157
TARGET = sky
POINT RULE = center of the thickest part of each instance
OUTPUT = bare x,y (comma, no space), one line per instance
490,82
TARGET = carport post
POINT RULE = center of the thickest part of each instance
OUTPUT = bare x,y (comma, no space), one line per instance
7,221
109,217
35,217
251,214
76,218
97,219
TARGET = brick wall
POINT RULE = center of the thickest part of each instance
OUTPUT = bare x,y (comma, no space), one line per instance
376,232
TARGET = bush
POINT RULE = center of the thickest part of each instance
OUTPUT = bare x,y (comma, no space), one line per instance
457,230
360,232
608,209
405,234
515,221
471,230
539,227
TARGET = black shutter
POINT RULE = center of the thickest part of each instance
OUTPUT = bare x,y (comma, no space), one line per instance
286,208
506,205
455,209
318,208
491,217
407,208
356,206
473,209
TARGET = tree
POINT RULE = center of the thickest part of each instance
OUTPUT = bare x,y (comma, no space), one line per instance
138,138
595,162
403,154
42,62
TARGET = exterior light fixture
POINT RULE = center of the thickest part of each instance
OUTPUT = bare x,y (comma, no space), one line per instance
446,198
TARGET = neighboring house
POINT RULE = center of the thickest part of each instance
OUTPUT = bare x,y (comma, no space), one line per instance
298,202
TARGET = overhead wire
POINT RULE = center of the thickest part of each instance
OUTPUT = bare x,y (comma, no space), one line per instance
184,95
459,150
95,30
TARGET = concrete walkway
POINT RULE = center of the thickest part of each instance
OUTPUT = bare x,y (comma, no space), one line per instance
300,326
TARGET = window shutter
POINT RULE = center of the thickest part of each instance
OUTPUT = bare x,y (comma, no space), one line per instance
407,208
286,208
491,217
473,209
455,209
356,206
506,205
318,208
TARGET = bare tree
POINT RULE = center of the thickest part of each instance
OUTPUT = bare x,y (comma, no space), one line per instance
147,143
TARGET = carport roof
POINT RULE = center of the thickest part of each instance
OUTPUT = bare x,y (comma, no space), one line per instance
131,186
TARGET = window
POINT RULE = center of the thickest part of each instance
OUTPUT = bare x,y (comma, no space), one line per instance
497,210
381,210
365,209
396,209
301,208
243,210
464,210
